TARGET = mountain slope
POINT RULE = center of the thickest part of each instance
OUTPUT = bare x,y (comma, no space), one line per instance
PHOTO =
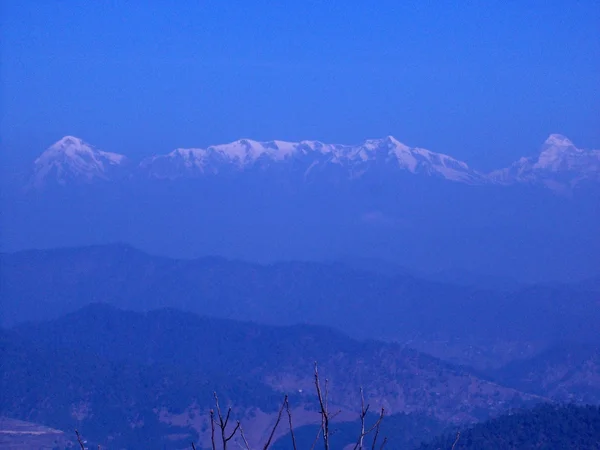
139,378
566,373
546,427
73,160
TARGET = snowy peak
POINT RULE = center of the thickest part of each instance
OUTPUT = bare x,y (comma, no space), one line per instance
558,140
418,160
72,159
247,151
559,165
558,153
240,154
314,156
70,147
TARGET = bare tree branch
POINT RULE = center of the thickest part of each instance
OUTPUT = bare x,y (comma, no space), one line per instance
243,436
376,427
456,441
335,414
289,413
324,429
385,439
317,437
223,423
217,405
227,418
79,440
237,427
363,414
326,394
323,406
193,446
212,429
285,400
376,424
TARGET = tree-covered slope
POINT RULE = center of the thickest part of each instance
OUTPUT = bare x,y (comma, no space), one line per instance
545,427
139,378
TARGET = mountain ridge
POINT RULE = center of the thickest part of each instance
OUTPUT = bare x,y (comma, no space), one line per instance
558,165
449,321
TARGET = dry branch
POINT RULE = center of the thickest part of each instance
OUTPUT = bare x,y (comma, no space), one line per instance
244,436
317,437
385,439
376,427
212,429
223,421
289,413
323,406
79,440
456,440
285,400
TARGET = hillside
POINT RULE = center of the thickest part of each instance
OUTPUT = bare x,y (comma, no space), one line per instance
546,427
148,378
565,373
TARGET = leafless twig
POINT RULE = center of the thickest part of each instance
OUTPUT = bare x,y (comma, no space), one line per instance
223,421
456,440
335,414
289,414
79,440
276,423
376,427
324,429
212,429
243,436
363,413
323,406
317,437
385,439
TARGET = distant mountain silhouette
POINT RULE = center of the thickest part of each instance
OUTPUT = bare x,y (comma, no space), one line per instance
464,324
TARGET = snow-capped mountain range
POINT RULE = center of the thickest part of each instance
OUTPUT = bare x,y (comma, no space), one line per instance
559,165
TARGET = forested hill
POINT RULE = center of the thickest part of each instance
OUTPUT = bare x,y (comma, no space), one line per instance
547,427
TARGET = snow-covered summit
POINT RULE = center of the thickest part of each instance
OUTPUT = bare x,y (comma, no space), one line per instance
71,159
356,159
560,164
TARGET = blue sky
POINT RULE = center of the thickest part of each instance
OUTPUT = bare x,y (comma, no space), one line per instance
485,81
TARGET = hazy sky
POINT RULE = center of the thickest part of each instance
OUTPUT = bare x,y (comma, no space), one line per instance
485,81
